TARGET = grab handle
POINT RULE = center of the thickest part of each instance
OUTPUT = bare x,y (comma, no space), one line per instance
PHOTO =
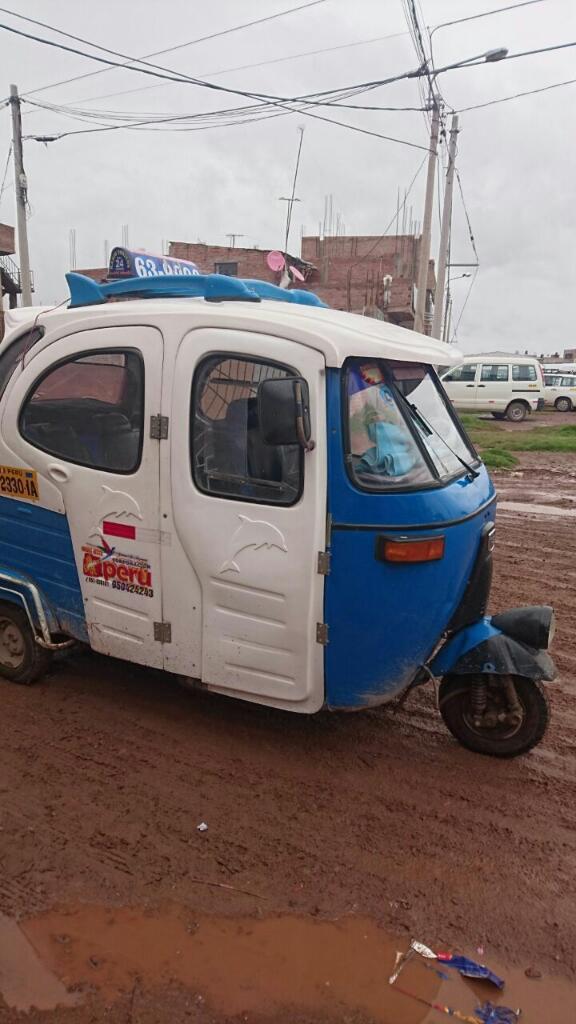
60,474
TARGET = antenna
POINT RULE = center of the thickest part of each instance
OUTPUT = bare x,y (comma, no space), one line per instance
292,199
125,239
72,243
233,235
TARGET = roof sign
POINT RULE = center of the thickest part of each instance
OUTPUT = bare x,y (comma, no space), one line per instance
130,263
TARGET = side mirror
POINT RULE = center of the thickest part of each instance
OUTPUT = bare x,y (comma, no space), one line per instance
284,412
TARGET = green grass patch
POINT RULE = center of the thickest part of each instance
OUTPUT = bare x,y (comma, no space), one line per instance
498,459
496,444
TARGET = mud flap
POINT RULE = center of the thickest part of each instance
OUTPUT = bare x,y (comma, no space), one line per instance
499,655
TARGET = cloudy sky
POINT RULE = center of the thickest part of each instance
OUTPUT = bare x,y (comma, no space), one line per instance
516,159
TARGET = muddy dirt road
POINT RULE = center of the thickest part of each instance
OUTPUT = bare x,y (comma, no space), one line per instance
107,770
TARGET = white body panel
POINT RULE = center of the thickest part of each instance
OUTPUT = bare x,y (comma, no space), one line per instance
120,621
245,604
236,580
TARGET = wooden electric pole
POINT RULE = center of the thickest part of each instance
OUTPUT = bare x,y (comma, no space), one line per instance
425,240
445,231
21,188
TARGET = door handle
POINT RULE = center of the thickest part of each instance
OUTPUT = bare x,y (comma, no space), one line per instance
472,385
481,385
60,474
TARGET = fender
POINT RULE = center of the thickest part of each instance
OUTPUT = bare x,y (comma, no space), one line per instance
16,588
484,649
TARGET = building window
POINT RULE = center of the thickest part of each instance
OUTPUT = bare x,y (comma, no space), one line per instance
90,411
229,458
229,269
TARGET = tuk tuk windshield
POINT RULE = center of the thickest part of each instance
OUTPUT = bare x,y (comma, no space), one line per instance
401,432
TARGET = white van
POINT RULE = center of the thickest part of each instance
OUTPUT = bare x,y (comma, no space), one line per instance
506,386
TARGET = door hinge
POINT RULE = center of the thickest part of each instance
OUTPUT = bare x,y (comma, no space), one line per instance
159,428
163,632
321,633
324,563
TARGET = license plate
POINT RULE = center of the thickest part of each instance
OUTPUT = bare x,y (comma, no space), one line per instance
19,483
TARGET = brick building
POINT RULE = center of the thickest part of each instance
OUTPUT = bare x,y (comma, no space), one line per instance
368,274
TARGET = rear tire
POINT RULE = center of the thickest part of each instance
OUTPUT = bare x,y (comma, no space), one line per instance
22,660
563,405
516,412
500,741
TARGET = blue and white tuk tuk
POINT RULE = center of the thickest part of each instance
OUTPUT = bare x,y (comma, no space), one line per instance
233,483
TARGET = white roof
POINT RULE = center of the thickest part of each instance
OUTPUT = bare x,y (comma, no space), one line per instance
336,334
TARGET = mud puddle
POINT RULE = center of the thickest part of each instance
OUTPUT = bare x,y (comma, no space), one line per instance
246,965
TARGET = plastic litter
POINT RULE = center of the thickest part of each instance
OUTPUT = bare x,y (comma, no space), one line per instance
423,950
202,827
490,1014
451,1012
470,969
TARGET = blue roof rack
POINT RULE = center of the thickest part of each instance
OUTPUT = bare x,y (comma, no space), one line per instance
271,291
84,291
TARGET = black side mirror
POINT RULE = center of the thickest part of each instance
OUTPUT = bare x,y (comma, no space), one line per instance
284,412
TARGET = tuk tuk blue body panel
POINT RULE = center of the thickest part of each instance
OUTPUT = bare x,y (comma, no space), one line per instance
35,542
385,619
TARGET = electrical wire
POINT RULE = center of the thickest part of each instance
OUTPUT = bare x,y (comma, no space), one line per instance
286,109
517,95
156,53
464,304
3,185
393,218
467,215
482,14
242,67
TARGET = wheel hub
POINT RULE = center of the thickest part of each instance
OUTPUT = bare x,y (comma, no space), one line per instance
12,645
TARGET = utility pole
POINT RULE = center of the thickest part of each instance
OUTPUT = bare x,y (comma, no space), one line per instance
21,188
445,231
424,259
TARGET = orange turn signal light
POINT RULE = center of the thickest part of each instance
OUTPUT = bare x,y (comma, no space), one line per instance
424,549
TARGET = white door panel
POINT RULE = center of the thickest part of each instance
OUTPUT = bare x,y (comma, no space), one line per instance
255,594
113,517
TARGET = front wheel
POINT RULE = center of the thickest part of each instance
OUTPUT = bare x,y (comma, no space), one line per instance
503,716
563,405
22,660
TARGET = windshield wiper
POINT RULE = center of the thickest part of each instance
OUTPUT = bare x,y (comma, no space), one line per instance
429,430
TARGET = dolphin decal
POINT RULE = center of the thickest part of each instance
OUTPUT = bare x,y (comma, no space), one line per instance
252,533
114,505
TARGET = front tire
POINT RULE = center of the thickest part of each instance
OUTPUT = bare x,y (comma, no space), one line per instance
22,660
563,405
500,739
516,412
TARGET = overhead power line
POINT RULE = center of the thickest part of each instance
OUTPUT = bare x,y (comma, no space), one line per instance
482,14
226,71
517,95
156,53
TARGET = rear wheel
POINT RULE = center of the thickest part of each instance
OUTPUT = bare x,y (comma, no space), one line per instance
22,660
516,412
503,716
563,405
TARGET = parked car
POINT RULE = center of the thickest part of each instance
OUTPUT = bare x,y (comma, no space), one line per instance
510,387
560,391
